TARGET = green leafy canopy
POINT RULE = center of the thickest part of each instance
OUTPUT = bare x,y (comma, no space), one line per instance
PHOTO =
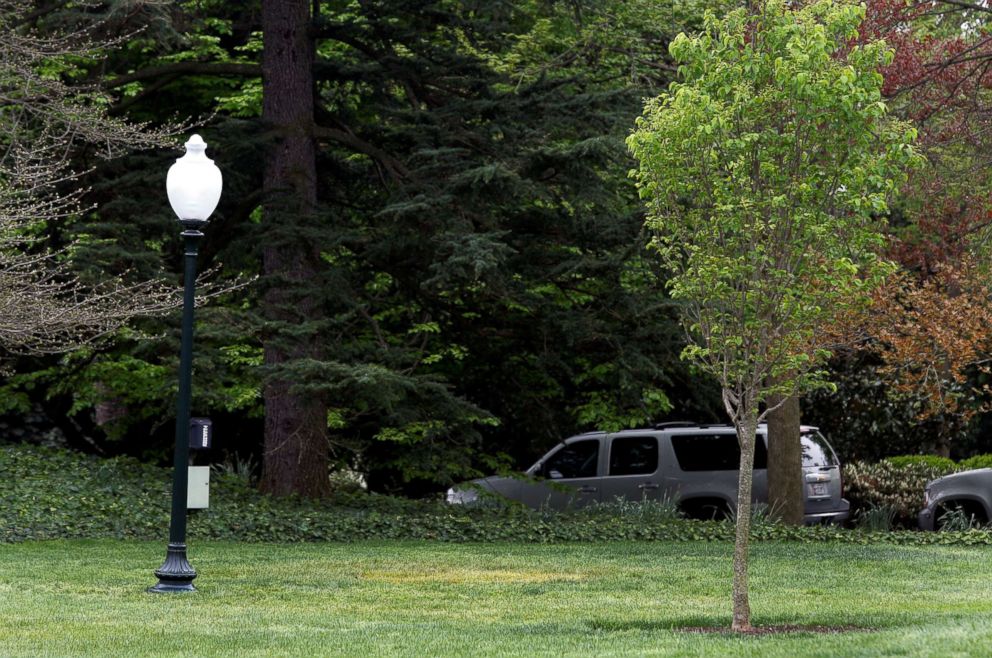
766,171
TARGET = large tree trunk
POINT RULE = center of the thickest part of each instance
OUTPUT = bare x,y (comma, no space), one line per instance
296,452
785,462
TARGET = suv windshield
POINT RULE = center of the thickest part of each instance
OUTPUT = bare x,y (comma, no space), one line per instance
575,460
816,451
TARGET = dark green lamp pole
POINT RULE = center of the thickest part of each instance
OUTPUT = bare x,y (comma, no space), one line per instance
194,186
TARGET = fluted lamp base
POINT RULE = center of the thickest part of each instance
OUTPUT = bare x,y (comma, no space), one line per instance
176,574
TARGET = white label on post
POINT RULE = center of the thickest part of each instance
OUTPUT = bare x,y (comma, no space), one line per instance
198,488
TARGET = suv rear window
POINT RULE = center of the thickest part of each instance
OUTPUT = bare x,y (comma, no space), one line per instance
714,452
816,451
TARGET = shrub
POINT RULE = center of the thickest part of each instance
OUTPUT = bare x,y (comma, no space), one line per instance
886,485
978,461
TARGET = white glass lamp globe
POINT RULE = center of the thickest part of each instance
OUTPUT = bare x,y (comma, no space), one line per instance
194,183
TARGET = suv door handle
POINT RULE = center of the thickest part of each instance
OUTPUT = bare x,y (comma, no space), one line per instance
588,489
648,485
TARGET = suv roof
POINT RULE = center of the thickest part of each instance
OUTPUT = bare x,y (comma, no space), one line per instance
677,425
688,425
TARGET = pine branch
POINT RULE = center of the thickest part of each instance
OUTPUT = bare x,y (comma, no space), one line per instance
233,69
347,138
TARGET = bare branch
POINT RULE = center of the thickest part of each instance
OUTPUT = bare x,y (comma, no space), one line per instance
44,308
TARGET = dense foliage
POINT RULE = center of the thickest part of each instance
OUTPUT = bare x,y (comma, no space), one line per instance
931,332
480,286
61,494
895,484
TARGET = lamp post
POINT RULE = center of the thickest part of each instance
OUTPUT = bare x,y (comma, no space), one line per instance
194,186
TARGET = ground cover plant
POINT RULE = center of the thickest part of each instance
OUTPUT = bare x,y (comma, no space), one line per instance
87,598
58,494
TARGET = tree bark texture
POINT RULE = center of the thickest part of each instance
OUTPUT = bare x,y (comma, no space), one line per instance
942,444
295,459
746,434
785,462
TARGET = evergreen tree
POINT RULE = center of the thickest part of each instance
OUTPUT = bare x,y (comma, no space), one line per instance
465,285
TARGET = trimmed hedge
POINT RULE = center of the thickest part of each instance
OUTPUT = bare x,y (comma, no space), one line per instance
978,461
891,484
935,462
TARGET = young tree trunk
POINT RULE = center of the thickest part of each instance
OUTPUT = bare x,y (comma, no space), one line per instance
296,452
942,444
785,462
745,415
746,433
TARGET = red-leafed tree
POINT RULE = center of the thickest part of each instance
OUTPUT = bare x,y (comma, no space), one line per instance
932,325
941,79
930,334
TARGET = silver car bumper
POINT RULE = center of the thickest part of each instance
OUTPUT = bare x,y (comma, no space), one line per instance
838,515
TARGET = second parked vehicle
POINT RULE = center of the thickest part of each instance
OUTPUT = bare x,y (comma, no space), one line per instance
697,465
967,492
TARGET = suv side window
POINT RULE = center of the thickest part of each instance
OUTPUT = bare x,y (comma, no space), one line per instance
714,452
634,455
574,460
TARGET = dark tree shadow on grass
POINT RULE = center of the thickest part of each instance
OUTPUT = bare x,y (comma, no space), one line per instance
716,625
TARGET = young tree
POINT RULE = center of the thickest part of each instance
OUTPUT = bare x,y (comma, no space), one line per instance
44,308
765,171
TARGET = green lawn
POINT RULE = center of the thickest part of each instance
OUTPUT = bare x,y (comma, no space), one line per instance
81,598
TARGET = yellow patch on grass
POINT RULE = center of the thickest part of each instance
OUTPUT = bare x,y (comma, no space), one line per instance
460,576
